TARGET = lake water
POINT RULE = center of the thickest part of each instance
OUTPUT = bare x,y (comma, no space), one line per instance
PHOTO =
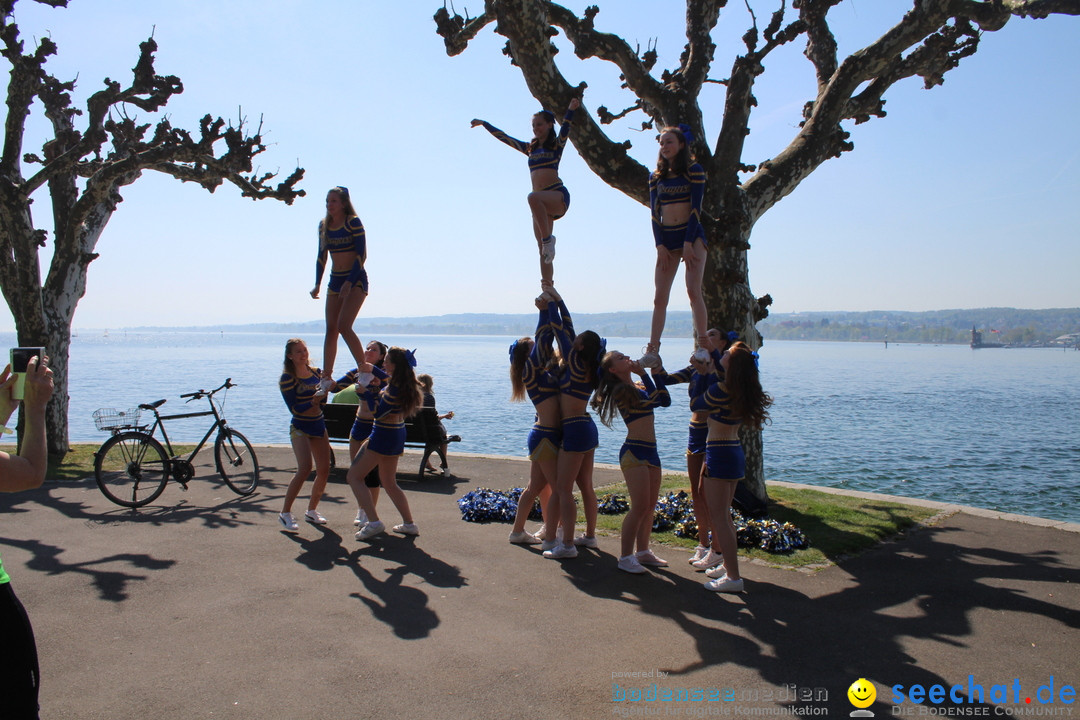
991,428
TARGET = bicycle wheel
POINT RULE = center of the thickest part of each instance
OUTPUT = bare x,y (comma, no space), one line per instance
131,469
236,462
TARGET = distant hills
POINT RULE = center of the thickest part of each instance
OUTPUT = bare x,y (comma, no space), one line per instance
1004,325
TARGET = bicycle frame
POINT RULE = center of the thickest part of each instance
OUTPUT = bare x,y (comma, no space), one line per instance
159,421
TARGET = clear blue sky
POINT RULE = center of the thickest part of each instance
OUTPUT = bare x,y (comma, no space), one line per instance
964,196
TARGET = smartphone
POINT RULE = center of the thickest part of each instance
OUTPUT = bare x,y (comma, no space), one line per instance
20,358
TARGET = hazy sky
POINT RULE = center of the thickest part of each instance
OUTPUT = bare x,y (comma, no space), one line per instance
963,196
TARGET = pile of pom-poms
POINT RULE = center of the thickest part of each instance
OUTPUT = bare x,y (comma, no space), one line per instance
485,505
675,512
612,504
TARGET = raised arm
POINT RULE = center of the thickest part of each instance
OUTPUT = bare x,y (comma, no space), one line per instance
26,470
522,147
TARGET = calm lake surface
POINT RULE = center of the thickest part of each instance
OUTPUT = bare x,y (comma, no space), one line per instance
994,428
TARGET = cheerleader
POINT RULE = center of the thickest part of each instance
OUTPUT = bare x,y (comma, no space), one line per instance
341,235
299,385
578,373
676,191
529,376
733,397
638,457
368,386
549,199
397,401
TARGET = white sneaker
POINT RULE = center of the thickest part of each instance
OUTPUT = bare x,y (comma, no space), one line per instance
406,529
524,538
585,541
287,520
725,584
716,571
630,564
446,472
646,557
361,517
712,559
650,359
560,552
548,250
370,530
699,552
313,517
364,379
701,355
546,545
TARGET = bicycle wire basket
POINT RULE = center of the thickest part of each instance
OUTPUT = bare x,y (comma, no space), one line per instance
109,419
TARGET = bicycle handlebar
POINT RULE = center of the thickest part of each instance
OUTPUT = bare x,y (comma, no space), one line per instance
208,393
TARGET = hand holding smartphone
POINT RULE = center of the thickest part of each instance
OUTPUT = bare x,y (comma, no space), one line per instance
20,359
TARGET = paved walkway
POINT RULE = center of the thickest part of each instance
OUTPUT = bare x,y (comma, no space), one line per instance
199,607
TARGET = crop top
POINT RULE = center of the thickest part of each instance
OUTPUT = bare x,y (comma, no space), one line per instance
707,394
678,189
389,402
351,238
539,383
299,393
574,380
651,397
540,157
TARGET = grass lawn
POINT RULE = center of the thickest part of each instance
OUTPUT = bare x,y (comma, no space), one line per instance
837,526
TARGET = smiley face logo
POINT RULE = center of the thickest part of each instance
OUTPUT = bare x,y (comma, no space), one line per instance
862,693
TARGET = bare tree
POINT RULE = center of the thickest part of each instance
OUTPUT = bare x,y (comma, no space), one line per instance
83,169
928,41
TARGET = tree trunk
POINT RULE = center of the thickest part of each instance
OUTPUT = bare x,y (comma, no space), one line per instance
731,305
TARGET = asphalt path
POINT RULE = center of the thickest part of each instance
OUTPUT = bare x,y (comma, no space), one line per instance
200,606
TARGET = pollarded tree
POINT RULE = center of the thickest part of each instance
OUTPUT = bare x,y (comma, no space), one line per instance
83,169
928,41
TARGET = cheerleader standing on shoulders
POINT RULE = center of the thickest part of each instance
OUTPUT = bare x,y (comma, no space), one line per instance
733,398
341,234
398,400
638,457
578,373
529,358
676,191
549,199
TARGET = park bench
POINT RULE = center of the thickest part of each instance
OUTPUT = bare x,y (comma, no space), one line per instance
421,430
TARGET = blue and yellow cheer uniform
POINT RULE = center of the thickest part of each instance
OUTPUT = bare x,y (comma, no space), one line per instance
677,189
579,431
349,238
299,395
541,157
635,453
724,459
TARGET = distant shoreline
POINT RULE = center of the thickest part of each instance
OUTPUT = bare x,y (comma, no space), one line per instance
1008,326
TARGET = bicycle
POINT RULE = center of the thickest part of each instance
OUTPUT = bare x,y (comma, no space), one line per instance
132,467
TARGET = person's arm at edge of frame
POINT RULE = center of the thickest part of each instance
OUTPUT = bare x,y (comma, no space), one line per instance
26,470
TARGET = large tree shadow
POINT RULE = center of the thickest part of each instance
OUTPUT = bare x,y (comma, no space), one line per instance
924,589
111,584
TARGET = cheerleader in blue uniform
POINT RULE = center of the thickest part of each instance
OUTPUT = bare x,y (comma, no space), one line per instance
299,385
529,376
703,557
549,199
638,457
368,386
341,235
676,191
578,373
398,400
733,397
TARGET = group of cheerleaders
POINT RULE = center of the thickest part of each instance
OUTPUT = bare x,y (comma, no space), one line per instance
561,372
